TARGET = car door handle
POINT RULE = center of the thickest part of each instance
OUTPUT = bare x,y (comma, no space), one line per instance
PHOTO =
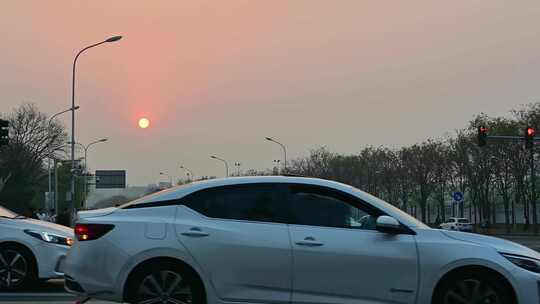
195,232
309,241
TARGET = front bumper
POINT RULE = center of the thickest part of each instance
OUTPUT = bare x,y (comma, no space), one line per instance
527,286
50,259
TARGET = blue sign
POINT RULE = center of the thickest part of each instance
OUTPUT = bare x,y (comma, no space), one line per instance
458,196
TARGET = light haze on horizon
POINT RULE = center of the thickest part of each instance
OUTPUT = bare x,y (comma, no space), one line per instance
216,77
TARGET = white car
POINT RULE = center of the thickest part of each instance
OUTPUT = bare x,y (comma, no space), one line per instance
287,240
457,223
30,250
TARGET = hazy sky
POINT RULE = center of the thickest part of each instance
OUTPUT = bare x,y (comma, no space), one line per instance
216,77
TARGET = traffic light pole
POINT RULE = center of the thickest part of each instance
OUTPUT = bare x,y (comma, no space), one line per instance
533,193
530,139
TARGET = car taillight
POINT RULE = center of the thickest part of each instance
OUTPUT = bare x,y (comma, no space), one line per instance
88,232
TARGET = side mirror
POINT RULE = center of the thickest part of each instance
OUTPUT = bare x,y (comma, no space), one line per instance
388,224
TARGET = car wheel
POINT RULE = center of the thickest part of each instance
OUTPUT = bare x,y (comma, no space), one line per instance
165,282
17,267
474,287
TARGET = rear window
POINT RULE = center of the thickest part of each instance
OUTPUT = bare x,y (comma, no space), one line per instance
463,221
161,198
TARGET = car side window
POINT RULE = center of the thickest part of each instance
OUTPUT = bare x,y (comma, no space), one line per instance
251,202
320,206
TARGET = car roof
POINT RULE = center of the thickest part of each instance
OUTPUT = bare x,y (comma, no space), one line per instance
179,191
183,190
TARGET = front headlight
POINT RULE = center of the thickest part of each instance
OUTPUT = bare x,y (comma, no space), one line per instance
529,264
50,237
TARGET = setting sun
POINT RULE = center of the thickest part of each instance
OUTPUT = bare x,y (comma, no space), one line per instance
144,123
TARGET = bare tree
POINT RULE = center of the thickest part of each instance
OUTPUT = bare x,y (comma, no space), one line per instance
32,139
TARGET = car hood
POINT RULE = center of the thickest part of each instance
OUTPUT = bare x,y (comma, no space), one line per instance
44,226
500,245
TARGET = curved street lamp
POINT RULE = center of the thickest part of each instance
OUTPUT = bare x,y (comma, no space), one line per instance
59,113
284,151
85,148
111,39
52,151
189,172
225,162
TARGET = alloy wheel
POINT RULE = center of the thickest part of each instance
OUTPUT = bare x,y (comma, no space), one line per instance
13,268
471,291
164,287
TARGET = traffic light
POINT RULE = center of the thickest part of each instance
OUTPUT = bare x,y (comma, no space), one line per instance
530,132
482,136
4,132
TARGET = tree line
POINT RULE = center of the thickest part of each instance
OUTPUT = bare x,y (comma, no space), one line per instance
421,178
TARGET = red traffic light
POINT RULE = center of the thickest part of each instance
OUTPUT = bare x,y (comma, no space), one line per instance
482,136
530,133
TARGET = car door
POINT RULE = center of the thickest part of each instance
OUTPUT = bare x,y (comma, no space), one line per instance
238,236
340,257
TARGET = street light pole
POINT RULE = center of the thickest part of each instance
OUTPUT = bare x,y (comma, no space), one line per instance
225,162
284,152
170,178
59,113
72,190
189,172
85,148
237,165
49,162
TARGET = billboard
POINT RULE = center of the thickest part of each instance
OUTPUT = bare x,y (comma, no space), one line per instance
110,179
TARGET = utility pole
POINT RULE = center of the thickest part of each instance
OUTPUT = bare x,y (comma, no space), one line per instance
533,193
530,133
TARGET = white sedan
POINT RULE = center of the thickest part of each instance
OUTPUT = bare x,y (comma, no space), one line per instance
30,250
287,240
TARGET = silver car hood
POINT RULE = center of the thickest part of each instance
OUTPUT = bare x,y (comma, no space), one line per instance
43,226
499,244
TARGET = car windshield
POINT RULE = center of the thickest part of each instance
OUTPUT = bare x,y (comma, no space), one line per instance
7,213
463,221
411,219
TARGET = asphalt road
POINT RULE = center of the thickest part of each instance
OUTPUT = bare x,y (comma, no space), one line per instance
531,241
52,292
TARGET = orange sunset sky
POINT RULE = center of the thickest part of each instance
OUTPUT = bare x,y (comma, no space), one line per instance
216,77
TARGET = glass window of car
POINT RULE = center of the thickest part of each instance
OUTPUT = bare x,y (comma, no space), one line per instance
251,202
463,220
320,206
